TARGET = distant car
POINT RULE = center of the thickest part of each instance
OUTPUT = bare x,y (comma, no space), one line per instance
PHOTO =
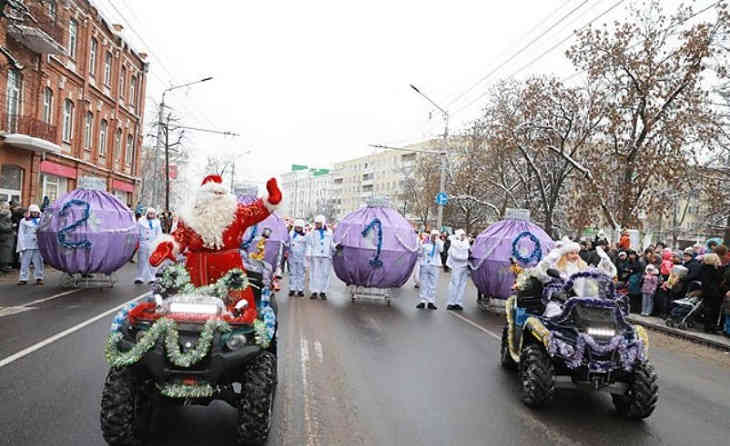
588,346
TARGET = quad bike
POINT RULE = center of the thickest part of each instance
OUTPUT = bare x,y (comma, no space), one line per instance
587,344
182,348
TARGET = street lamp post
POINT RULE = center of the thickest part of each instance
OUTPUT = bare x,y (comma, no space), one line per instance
160,120
442,176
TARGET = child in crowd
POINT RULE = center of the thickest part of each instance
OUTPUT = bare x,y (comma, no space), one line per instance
648,288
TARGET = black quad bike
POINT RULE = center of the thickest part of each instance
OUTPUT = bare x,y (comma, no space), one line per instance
191,357
586,343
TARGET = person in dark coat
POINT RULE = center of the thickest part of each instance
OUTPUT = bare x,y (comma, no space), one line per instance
18,213
711,278
7,238
693,269
445,253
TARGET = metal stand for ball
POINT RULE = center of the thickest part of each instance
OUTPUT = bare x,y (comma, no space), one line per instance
362,292
89,280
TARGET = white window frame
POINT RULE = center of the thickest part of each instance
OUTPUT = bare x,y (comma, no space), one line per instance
13,99
52,9
118,145
133,91
88,130
73,37
48,105
68,120
108,69
92,57
129,153
122,81
103,127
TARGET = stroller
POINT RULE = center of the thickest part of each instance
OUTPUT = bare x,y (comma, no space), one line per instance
688,311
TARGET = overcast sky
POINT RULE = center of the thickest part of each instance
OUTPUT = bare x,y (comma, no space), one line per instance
314,82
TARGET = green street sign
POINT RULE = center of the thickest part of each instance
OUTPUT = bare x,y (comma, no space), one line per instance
296,167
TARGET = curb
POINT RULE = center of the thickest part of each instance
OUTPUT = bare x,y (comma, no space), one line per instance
688,335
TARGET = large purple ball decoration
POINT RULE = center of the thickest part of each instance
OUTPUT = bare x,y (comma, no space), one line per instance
279,235
493,248
379,248
87,231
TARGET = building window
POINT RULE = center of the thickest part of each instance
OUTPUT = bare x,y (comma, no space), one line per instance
122,80
88,125
102,138
52,187
13,97
52,9
92,57
130,150
73,34
118,145
11,183
68,120
133,91
108,69
48,105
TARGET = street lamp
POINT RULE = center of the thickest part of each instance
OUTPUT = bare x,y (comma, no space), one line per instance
160,118
442,176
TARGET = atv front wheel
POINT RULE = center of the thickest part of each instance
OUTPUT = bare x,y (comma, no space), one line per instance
258,385
505,359
125,409
536,376
641,397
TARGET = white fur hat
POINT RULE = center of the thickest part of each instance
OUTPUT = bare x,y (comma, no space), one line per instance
34,208
299,223
435,232
320,219
151,210
566,245
459,232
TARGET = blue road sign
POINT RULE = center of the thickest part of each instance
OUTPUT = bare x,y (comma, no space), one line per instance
442,199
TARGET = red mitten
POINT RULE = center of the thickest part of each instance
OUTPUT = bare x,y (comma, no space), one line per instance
274,193
163,251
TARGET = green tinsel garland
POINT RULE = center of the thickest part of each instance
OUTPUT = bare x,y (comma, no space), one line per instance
115,358
260,334
187,391
180,359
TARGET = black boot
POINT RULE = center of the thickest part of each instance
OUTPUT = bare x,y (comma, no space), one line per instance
300,294
432,306
313,296
323,296
421,306
291,293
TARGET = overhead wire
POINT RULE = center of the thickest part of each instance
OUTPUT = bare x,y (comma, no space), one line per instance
520,51
543,54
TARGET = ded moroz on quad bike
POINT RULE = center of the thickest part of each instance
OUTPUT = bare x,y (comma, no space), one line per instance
183,346
587,345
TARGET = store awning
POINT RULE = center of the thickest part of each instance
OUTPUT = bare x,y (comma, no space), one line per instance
26,142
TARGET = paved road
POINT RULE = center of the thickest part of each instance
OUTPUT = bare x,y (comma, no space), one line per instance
350,373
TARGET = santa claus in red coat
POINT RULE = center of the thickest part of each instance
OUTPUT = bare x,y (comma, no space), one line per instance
209,235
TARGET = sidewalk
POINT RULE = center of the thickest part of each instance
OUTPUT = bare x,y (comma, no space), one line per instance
718,341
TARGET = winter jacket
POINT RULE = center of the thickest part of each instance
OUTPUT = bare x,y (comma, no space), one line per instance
693,270
666,268
28,234
651,281
711,278
7,239
625,242
458,254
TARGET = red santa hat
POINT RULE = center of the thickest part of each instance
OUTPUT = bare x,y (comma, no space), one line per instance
212,182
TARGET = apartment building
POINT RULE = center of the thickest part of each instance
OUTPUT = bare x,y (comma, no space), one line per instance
73,104
307,192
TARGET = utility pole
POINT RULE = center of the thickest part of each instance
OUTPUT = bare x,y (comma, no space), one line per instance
167,164
442,177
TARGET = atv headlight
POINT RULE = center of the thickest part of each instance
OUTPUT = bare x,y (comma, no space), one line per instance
235,342
601,332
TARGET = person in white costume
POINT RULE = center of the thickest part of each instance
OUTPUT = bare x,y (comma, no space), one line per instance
458,261
28,246
430,263
320,248
297,259
566,260
149,230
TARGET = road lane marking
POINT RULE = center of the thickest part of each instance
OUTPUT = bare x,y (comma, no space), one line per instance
304,350
475,325
46,299
7,311
26,351
318,350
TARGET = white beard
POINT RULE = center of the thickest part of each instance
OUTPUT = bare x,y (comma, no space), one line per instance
209,216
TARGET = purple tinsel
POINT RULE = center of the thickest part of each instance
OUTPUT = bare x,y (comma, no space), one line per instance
629,352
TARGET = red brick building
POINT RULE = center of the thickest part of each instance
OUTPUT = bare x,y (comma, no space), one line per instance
73,94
